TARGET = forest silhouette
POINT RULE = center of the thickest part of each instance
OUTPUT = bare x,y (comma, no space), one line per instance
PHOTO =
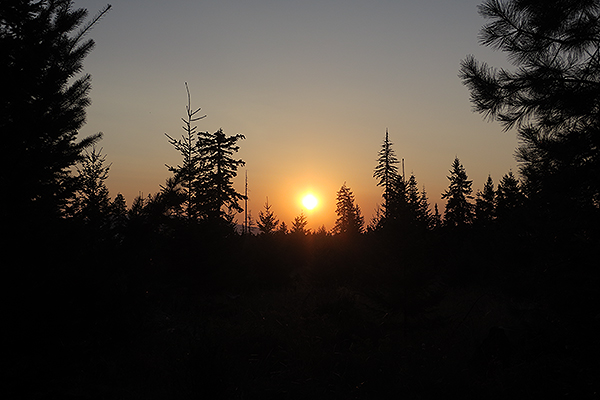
496,297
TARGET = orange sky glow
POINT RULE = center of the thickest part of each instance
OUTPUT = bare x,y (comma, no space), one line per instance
312,85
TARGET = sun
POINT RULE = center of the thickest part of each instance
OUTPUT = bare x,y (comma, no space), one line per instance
309,201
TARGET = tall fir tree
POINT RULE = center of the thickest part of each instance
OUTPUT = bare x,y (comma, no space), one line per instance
386,173
44,98
459,209
218,196
203,183
349,218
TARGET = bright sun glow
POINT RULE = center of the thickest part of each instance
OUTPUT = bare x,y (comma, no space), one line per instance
309,201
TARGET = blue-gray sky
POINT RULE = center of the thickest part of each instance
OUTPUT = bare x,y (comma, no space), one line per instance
313,85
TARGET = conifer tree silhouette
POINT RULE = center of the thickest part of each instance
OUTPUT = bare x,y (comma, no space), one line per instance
203,182
283,228
509,198
386,173
459,209
299,225
188,174
267,221
92,201
219,197
44,100
398,214
349,218
418,204
485,203
550,97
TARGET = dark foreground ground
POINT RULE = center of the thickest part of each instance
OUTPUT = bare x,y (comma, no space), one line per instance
331,325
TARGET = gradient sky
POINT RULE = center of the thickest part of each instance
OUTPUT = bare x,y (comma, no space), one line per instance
313,85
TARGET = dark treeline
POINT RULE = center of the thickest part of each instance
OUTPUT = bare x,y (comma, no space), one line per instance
166,298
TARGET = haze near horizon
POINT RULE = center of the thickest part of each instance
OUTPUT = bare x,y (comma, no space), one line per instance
312,85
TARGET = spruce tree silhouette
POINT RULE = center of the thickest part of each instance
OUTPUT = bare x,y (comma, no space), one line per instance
349,218
459,209
283,228
408,208
386,173
218,196
43,107
299,225
201,187
267,221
